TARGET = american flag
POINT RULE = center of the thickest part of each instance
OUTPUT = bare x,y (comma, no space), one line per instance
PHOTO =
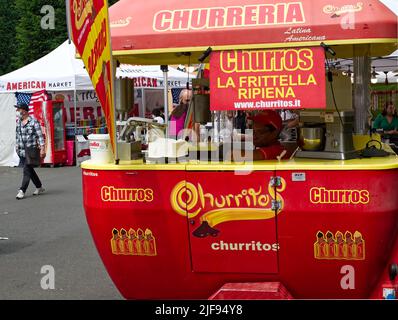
175,92
31,98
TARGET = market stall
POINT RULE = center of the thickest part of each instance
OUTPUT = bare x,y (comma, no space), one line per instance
68,82
57,76
148,83
322,224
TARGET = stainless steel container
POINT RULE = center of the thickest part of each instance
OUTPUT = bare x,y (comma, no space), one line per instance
311,138
201,108
124,94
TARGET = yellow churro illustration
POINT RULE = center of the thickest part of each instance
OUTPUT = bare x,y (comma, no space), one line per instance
189,200
216,217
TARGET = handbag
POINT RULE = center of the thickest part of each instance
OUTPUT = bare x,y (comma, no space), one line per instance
32,154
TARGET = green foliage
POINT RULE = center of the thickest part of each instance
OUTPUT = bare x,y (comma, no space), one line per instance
22,38
33,41
7,35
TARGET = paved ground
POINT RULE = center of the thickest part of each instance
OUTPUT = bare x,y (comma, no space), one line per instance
50,229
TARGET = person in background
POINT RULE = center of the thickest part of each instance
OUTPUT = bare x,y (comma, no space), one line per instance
161,111
240,121
387,120
156,115
134,112
267,126
290,122
28,134
229,121
178,115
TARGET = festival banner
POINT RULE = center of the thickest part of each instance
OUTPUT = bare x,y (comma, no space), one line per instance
267,79
90,32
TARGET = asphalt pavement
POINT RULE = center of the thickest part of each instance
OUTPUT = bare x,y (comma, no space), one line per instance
48,235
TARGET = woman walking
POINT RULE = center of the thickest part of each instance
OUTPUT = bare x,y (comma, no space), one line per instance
28,137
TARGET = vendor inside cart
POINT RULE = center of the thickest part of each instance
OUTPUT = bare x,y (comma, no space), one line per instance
387,120
267,126
387,124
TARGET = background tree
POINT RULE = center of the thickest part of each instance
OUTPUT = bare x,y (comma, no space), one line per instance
34,41
23,39
8,20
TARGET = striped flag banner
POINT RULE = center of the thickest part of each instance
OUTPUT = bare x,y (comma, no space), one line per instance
31,98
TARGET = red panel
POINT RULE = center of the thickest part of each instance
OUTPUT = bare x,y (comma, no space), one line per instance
138,200
387,280
252,291
232,226
364,217
340,204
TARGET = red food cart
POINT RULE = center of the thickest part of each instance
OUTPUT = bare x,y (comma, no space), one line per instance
301,228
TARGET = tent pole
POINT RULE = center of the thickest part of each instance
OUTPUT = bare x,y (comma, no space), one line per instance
165,69
143,102
74,110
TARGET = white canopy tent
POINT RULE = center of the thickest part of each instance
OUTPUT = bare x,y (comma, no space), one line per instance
60,71
382,68
149,84
152,76
57,71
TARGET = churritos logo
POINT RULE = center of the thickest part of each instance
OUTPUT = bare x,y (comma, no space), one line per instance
82,9
112,194
121,23
321,195
191,200
348,8
229,17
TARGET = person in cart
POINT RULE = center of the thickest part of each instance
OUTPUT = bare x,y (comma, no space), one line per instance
267,126
387,123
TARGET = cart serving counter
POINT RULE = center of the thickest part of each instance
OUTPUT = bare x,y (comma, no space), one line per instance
308,227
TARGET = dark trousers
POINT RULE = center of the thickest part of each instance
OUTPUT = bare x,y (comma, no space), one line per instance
29,173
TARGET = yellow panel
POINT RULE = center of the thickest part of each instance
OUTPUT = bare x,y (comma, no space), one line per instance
131,165
376,163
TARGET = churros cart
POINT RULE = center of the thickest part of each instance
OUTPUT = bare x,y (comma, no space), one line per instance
321,225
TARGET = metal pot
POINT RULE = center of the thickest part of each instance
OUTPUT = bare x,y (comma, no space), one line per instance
311,138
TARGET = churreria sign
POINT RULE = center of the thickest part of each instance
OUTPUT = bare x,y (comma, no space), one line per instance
229,17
